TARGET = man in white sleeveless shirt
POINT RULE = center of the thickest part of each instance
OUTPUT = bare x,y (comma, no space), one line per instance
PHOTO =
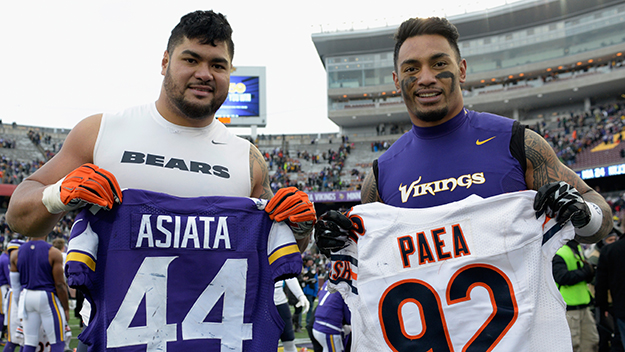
174,145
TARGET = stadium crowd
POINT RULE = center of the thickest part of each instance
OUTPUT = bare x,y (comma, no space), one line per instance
13,171
39,138
7,143
289,172
583,130
570,134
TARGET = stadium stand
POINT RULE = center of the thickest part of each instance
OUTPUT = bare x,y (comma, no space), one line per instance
526,60
330,162
582,140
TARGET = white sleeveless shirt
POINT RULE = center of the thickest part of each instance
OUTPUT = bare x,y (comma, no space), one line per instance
145,151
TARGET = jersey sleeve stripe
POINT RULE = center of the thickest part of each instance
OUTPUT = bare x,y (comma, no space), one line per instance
12,246
85,240
81,258
290,249
58,316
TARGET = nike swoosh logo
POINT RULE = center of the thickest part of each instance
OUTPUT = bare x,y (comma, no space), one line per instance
217,143
478,142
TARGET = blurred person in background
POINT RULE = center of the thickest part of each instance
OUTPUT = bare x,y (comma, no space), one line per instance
573,273
610,287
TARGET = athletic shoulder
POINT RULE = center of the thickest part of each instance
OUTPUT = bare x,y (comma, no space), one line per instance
55,254
77,149
259,174
84,134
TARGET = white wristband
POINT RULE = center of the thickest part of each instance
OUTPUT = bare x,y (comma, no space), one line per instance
52,199
596,218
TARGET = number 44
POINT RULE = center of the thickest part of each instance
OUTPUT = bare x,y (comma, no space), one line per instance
151,281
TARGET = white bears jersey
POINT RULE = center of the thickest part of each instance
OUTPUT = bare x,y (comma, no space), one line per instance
145,151
473,275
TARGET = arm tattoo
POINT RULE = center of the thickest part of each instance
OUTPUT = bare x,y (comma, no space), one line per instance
257,162
369,191
537,161
544,166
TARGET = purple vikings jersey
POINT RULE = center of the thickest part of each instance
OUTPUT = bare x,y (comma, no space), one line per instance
33,264
469,154
4,269
332,312
165,273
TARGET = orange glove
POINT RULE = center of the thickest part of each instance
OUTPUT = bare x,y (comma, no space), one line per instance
88,184
293,207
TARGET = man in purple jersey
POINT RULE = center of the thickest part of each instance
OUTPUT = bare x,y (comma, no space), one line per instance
11,300
452,152
44,299
331,315
4,286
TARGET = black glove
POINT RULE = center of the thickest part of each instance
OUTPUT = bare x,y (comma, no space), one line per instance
332,231
563,202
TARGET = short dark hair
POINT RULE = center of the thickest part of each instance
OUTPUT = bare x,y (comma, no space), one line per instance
206,26
422,26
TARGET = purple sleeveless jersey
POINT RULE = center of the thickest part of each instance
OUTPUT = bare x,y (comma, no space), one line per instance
33,263
469,154
332,312
181,274
5,266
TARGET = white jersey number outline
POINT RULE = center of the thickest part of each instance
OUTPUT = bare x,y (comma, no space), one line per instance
151,281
